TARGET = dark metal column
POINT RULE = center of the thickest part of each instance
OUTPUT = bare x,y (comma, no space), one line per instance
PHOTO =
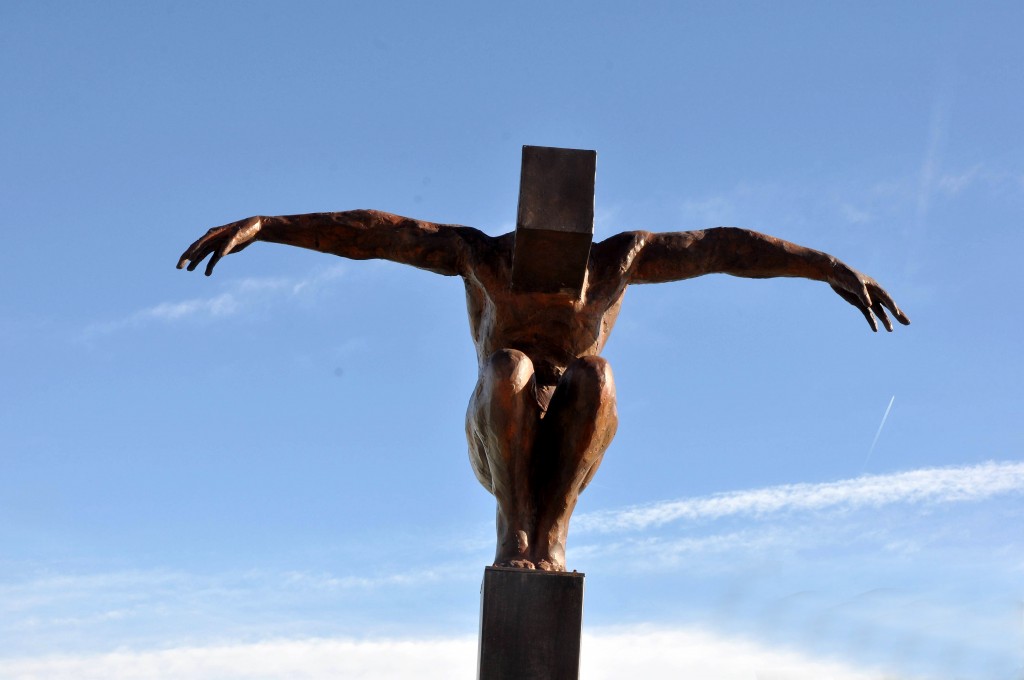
530,625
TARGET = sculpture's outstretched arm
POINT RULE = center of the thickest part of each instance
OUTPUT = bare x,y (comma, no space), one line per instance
356,234
673,256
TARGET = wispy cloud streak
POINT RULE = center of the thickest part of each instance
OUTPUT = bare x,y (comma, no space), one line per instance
241,295
930,485
930,166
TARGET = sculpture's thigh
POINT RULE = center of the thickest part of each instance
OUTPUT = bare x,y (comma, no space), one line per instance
477,452
581,420
501,417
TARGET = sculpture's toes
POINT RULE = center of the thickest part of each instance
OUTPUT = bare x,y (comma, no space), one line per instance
550,565
516,564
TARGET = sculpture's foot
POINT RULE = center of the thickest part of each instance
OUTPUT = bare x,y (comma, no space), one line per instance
513,551
550,565
516,564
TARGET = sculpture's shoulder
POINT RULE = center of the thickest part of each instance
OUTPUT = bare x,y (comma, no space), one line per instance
487,256
480,243
616,254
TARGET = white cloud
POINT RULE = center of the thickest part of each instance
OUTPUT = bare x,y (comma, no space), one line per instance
329,582
169,624
241,295
854,215
715,552
795,209
932,161
48,589
606,220
307,659
930,485
709,211
979,176
955,183
221,305
611,653
691,653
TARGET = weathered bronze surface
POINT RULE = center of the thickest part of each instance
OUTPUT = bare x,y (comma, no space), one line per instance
543,411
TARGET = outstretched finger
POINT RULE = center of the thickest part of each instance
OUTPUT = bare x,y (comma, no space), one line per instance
225,249
219,253
856,302
870,319
189,254
197,252
212,263
192,258
879,311
198,257
884,297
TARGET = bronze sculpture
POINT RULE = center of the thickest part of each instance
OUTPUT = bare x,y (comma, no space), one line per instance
543,410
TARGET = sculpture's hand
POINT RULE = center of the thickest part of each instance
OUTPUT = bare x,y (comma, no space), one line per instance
864,293
221,241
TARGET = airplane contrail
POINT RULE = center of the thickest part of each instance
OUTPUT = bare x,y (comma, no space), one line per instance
878,434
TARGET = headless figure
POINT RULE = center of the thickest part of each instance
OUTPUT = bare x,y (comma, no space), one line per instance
543,410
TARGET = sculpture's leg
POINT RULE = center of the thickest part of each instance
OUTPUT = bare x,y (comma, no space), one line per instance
577,429
501,426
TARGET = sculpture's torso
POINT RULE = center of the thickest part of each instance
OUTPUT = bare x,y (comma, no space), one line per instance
551,329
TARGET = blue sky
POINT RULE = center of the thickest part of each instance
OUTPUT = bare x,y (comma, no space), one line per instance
263,474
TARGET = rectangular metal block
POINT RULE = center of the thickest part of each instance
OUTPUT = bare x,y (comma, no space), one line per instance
550,262
555,223
556,189
530,625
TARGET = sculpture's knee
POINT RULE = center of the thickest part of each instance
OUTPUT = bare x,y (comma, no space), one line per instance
592,374
507,368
